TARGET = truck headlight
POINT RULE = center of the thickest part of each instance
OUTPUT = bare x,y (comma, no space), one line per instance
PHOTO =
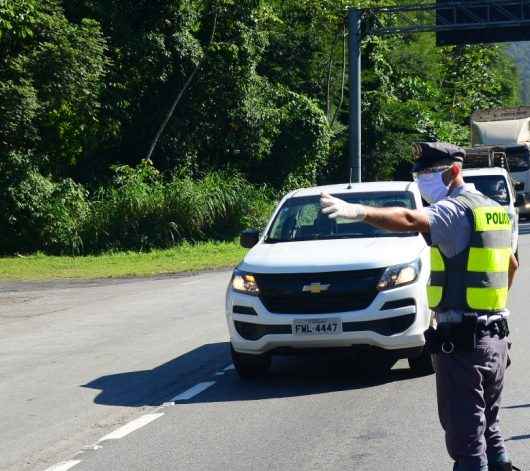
245,283
399,275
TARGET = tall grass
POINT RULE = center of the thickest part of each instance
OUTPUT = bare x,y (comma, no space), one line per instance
142,215
139,211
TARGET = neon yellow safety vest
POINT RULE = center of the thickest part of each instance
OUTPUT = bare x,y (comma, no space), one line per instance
477,278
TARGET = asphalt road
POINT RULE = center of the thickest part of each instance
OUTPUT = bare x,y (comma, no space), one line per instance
87,371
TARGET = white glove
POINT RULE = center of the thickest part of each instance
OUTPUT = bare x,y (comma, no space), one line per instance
337,208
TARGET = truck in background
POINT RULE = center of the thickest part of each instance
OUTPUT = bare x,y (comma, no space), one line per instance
501,137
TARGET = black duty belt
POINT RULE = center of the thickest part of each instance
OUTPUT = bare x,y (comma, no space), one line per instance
462,337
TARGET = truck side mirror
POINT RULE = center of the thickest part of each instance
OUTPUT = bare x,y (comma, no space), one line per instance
520,200
518,186
249,238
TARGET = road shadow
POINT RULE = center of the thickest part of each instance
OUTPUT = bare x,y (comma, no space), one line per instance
289,377
296,377
153,387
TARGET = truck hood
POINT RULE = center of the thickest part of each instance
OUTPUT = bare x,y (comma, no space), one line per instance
332,255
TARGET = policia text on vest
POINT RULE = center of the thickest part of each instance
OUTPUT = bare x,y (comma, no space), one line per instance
500,218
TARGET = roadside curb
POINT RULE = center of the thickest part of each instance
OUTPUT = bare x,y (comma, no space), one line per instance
65,283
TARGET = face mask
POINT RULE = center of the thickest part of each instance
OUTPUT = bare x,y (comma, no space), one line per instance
432,187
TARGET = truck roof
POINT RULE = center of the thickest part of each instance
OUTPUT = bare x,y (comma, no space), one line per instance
471,172
356,188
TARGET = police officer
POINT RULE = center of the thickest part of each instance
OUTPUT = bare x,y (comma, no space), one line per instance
472,268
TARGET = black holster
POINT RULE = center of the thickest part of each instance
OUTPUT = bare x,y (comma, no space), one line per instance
449,338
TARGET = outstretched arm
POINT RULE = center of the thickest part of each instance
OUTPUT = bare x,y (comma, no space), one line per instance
397,219
393,219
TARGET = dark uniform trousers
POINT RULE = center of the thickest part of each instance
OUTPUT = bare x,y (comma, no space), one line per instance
469,387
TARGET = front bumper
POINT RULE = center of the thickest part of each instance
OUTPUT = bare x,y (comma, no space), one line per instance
394,321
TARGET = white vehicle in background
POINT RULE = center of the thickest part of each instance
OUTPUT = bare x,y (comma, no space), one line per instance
310,282
496,183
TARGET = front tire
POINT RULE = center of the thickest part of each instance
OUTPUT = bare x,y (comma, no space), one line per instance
422,365
250,366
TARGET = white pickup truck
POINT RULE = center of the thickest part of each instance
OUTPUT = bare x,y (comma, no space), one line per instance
310,282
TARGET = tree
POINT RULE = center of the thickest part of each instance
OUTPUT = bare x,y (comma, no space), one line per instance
51,79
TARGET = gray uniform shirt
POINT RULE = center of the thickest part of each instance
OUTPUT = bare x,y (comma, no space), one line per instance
450,230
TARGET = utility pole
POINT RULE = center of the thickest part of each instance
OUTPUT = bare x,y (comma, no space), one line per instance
354,26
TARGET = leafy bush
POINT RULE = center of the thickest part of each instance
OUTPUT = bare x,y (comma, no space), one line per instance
24,194
37,213
67,214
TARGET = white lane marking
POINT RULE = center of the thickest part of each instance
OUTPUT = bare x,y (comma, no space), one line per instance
192,392
63,466
229,367
131,427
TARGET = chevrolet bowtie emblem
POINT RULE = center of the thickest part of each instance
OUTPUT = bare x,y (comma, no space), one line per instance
315,288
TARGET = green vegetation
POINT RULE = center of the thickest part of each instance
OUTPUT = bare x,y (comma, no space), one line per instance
137,125
185,258
140,210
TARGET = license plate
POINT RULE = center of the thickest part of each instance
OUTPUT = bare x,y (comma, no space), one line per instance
317,327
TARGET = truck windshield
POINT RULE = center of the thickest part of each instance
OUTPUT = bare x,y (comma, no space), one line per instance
518,159
493,186
301,219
